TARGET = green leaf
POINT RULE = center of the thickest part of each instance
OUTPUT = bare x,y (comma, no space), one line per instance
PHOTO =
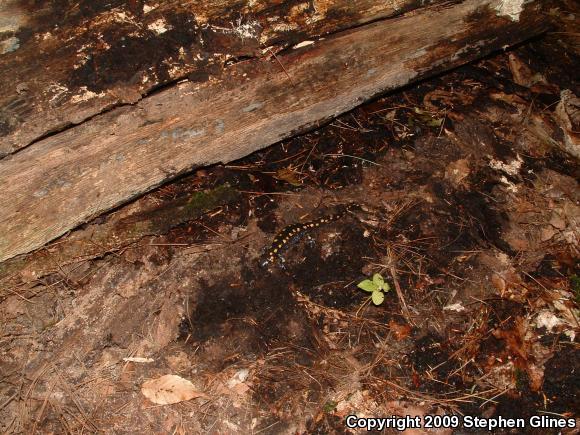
386,287
367,285
329,406
434,122
378,297
378,280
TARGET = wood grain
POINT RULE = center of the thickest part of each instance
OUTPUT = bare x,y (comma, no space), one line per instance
65,62
70,177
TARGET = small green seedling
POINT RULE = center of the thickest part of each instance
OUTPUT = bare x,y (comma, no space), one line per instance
377,287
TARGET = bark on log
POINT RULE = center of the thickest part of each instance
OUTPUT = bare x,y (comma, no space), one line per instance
61,65
70,177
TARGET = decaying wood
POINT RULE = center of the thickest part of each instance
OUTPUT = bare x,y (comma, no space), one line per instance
130,224
65,179
60,65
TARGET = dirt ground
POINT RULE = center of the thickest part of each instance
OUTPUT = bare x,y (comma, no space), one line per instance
463,194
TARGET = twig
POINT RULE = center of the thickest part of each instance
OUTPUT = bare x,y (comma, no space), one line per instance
400,295
280,63
353,157
250,192
365,303
308,157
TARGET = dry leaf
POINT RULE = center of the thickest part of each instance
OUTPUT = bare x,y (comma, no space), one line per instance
515,338
288,175
240,389
169,389
521,72
401,331
457,171
499,283
567,115
548,320
458,306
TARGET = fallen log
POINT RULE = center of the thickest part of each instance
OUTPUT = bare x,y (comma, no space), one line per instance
70,177
62,64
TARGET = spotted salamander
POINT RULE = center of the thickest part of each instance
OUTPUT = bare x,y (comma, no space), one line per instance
292,232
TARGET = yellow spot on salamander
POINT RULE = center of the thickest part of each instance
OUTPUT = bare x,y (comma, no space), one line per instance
275,250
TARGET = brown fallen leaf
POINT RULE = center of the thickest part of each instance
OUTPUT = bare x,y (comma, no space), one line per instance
457,171
169,389
567,115
514,338
521,72
288,175
400,331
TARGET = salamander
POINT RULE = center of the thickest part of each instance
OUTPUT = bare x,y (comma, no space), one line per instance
294,231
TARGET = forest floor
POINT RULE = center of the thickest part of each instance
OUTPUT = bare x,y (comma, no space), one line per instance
463,194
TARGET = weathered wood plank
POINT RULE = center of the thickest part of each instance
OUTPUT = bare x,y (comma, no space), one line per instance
65,62
66,179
